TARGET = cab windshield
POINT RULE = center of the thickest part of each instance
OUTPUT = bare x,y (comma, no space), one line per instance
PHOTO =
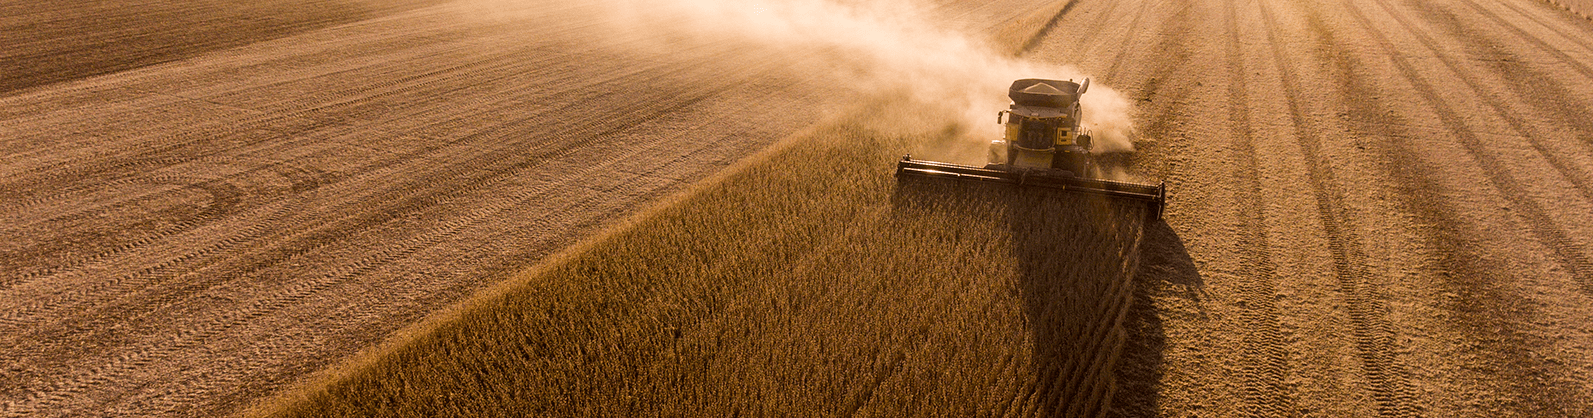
1036,133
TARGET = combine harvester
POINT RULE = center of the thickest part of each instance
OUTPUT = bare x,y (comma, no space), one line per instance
1043,147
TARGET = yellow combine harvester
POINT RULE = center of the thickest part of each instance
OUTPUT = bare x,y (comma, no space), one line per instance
1043,147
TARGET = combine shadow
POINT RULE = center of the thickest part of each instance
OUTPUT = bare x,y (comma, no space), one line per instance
1164,264
1087,290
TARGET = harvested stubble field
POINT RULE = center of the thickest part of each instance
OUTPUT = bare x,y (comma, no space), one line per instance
784,290
54,41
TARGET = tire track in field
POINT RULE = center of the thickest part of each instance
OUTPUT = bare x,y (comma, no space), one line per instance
301,182
1540,91
1371,332
128,363
1122,53
1567,252
1086,39
1166,102
405,204
98,175
86,96
1266,357
143,158
1486,301
169,207
1540,21
358,93
1166,97
498,100
388,50
451,173
193,338
1534,40
250,233
1581,180
93,174
1567,170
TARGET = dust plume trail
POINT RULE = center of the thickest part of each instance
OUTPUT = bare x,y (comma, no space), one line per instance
882,48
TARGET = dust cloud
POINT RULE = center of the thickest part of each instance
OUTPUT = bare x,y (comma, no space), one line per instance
885,52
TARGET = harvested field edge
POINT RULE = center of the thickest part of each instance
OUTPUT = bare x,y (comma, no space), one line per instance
437,320
753,294
1023,34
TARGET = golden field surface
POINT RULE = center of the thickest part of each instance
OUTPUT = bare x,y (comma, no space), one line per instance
687,207
778,292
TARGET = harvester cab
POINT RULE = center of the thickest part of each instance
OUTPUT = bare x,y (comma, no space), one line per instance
1043,146
1042,128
